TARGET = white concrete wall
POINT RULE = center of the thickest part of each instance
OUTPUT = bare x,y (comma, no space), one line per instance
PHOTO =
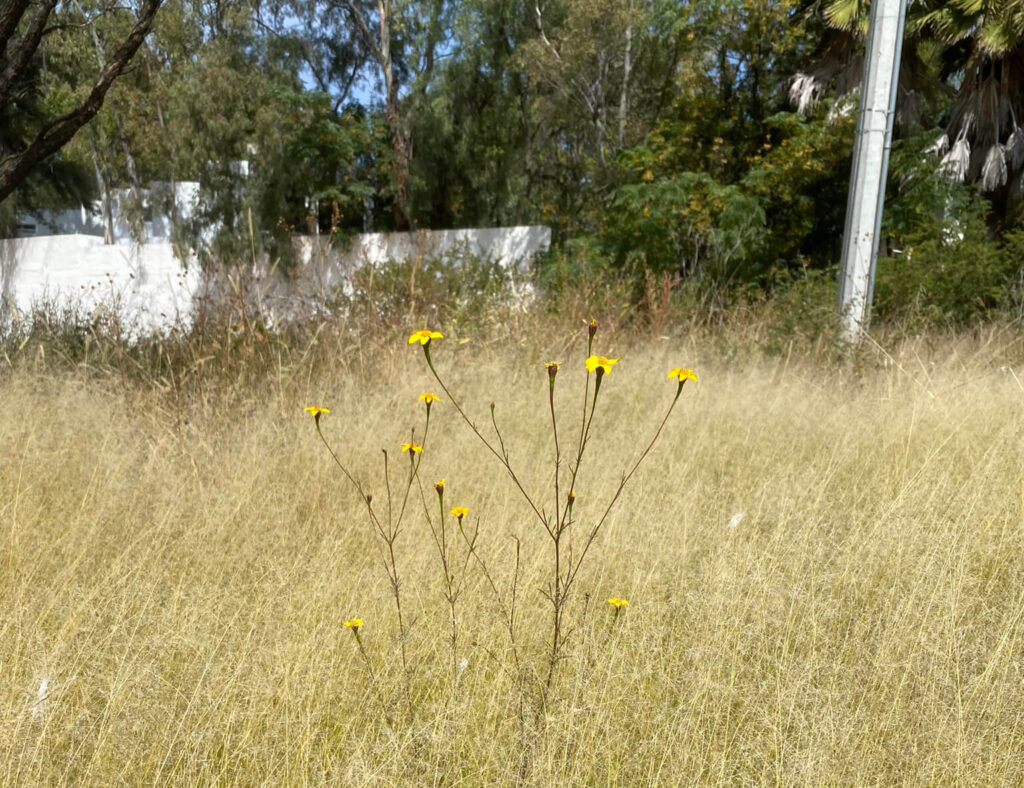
146,285
152,291
514,247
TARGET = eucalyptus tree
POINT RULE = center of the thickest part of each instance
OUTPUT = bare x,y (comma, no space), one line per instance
399,40
600,75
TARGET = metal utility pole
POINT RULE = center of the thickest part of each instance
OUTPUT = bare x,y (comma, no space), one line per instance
870,165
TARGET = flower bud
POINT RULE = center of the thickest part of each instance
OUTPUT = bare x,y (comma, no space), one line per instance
552,368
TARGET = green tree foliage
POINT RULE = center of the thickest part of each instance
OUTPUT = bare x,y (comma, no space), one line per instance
706,142
473,161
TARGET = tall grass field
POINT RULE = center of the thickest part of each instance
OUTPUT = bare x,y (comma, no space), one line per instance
823,563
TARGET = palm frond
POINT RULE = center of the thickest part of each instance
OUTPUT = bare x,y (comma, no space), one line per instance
969,6
805,92
940,147
997,37
954,164
844,106
1015,149
993,173
848,15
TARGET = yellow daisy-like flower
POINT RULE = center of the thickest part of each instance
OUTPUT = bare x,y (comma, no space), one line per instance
428,398
424,336
315,412
618,602
413,447
459,511
683,375
602,363
354,623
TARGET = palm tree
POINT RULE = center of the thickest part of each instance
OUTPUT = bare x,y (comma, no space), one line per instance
984,138
982,58
838,64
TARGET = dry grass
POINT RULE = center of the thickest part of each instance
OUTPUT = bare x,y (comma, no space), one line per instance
178,580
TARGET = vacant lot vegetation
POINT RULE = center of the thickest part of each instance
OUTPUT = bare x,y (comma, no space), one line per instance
824,564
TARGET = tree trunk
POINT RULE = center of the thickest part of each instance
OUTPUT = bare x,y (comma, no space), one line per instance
400,142
627,67
11,12
122,135
108,214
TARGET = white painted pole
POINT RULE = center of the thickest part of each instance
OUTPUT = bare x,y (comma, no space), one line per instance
870,165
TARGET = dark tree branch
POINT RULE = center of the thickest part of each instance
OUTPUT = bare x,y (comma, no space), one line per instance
11,12
23,50
16,167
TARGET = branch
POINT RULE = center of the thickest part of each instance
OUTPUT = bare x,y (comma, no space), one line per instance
16,167
25,48
540,29
364,31
11,12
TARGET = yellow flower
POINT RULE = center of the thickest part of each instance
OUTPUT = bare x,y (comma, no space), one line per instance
683,375
439,486
602,363
424,336
551,365
354,623
428,398
315,412
618,602
459,511
413,447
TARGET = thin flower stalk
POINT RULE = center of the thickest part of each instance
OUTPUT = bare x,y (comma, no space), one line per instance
502,455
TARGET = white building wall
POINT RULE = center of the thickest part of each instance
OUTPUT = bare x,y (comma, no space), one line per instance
146,285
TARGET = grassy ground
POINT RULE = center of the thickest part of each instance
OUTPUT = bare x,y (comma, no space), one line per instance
174,578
